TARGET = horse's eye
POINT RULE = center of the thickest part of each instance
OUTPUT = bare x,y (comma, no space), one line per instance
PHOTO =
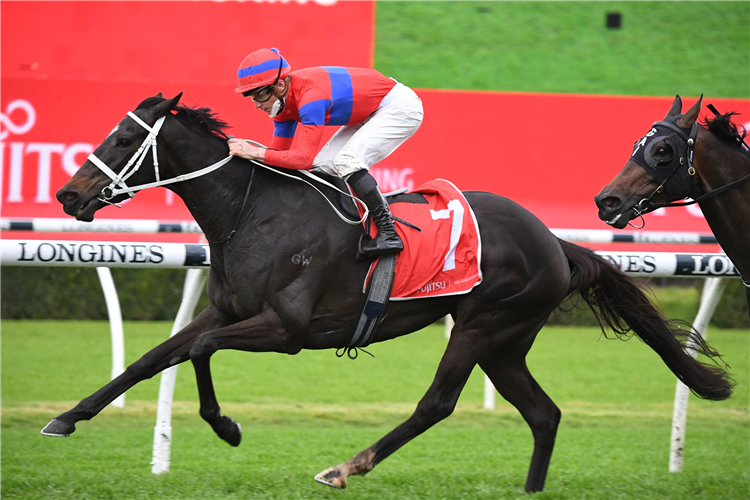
662,154
662,151
124,142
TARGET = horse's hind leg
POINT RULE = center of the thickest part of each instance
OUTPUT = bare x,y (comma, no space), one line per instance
455,367
173,351
508,372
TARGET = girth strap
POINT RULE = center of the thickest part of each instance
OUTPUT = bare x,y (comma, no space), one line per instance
373,306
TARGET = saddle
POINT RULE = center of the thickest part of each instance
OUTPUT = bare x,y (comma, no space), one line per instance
441,256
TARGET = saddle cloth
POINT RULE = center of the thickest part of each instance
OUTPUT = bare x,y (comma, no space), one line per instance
443,256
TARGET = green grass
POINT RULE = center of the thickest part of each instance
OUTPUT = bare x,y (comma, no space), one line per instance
301,414
663,48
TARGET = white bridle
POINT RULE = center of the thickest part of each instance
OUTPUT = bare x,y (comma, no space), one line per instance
118,185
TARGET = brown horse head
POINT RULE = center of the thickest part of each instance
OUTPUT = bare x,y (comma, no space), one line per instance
678,159
654,171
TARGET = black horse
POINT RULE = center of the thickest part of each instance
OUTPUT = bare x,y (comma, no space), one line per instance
263,299
682,159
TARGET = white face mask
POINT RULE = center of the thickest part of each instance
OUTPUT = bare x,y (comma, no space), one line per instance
276,108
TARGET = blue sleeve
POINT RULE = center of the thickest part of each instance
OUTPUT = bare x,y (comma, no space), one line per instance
314,113
285,128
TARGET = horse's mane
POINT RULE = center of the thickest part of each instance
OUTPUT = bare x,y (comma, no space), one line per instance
202,120
726,131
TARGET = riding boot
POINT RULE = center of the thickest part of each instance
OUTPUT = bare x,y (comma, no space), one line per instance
387,239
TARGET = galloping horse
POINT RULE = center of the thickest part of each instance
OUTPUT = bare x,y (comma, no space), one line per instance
261,299
680,159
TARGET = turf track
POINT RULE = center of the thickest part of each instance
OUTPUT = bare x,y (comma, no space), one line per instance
303,413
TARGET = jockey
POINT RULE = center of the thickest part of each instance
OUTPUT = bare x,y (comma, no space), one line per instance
376,114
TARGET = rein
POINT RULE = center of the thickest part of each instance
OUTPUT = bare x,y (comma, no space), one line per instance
118,185
239,215
325,183
705,196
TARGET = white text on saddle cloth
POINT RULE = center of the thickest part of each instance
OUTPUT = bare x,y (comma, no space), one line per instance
443,257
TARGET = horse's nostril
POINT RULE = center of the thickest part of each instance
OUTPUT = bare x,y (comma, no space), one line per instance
67,196
607,202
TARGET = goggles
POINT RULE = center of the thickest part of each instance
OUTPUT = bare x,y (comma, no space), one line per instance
261,94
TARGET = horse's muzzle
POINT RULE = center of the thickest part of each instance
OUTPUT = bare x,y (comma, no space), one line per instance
611,210
76,206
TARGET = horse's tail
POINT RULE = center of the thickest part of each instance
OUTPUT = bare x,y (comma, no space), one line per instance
620,303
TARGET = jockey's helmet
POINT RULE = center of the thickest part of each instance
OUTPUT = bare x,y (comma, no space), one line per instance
261,68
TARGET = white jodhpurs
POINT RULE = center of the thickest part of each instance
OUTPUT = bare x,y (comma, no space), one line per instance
360,146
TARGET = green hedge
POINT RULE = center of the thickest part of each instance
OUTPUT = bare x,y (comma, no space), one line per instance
155,294
75,293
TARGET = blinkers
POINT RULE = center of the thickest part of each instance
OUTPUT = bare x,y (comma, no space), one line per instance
667,171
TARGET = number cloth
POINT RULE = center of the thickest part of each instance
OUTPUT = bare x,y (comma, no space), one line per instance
444,258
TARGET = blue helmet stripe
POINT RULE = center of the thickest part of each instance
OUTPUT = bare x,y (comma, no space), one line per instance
271,64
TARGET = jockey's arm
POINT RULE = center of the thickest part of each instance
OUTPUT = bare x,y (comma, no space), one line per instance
281,154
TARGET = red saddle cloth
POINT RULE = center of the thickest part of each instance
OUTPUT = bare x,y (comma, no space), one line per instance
443,257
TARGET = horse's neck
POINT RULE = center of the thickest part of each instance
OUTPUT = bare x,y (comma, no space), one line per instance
728,214
218,200
215,199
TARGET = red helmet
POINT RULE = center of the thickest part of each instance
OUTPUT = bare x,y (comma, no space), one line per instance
260,68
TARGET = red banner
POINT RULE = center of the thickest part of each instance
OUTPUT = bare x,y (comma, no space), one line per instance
550,153
177,42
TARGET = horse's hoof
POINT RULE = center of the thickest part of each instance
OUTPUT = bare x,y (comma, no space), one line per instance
58,428
231,431
331,477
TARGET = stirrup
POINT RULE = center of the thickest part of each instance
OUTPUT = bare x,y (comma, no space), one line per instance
363,240
396,240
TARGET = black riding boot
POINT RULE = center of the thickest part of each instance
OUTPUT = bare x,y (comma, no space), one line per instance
387,240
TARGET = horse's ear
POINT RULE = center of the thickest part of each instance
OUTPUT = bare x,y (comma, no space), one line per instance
175,100
687,120
166,106
676,108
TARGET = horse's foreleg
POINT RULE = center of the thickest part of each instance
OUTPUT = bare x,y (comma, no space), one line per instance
262,333
511,377
439,402
173,351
